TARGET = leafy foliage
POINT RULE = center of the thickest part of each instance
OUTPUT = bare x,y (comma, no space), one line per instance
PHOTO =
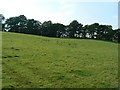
21,24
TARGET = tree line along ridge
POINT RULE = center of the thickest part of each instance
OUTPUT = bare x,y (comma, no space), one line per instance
20,24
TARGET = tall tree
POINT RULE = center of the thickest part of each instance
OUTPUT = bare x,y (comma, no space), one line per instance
21,23
92,30
2,18
60,29
46,26
10,24
105,32
73,28
16,24
80,31
33,27
56,30
116,35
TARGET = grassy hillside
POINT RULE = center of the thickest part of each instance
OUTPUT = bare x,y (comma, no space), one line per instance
40,62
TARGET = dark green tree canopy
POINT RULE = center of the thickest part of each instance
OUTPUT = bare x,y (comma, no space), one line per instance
2,17
21,24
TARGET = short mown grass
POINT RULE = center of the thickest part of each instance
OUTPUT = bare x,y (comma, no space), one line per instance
30,61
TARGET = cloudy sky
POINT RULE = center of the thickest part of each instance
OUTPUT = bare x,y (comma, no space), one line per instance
64,11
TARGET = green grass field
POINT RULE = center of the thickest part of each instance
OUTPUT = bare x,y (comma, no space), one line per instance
40,62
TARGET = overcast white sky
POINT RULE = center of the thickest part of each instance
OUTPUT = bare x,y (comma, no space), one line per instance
64,11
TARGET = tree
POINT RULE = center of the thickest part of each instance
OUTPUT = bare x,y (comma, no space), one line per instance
105,32
33,27
92,30
56,30
10,24
2,18
116,35
80,32
21,23
46,26
16,24
73,28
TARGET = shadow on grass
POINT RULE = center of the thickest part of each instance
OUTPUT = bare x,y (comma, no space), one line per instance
80,73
